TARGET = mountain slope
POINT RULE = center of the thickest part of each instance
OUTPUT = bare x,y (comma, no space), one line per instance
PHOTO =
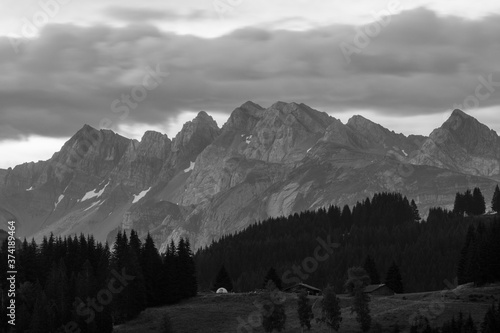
264,162
462,144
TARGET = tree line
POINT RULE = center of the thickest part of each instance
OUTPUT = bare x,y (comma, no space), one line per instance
387,227
75,284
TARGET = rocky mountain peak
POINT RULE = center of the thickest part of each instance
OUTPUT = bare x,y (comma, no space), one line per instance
203,117
463,130
369,129
361,122
203,129
150,136
244,118
251,106
301,115
458,119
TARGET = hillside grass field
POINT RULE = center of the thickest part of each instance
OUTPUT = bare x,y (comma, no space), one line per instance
210,312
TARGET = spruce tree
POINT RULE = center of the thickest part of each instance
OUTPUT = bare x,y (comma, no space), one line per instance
355,275
186,270
416,213
273,276
495,202
170,277
135,243
393,279
274,316
223,280
479,206
459,206
371,268
346,218
491,322
470,325
151,264
468,201
331,314
464,263
361,307
304,310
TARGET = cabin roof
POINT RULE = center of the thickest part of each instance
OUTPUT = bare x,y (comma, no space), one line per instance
373,287
303,285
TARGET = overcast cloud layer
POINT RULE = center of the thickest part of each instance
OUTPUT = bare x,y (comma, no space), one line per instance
419,64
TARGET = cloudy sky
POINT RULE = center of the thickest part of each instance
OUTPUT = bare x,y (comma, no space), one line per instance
153,64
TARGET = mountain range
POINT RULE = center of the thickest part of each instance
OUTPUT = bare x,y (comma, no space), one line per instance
263,162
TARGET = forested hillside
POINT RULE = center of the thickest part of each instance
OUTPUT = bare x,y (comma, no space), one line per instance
80,285
386,227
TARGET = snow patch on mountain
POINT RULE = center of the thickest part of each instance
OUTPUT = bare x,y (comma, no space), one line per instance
93,205
94,193
140,195
59,199
191,167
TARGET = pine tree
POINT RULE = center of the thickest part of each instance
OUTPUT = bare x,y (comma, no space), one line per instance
41,320
361,307
223,280
170,278
151,263
274,316
470,326
479,206
495,202
491,322
273,276
186,270
371,268
135,243
464,262
304,309
459,206
331,314
355,275
132,300
416,213
346,218
393,279
468,200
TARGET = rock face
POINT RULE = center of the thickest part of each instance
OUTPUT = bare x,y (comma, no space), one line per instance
263,162
462,144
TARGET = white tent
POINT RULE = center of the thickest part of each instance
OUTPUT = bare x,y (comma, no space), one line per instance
221,291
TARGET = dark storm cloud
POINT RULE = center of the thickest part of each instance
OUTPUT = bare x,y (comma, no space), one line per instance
418,64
